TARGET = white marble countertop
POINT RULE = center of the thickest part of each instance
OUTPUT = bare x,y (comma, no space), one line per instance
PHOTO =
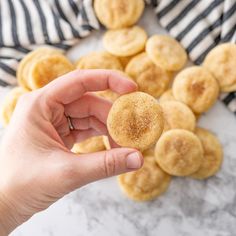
189,208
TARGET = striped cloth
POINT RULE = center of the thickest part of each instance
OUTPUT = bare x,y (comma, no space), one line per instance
26,24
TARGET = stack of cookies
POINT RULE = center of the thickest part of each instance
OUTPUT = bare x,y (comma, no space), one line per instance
165,131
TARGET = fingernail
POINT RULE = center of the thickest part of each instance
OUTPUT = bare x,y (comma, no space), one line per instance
133,161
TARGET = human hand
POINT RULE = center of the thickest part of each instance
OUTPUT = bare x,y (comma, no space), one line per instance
36,164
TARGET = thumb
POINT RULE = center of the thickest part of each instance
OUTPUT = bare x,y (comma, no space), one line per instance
91,167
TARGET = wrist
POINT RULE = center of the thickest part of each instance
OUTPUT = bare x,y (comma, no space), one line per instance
8,220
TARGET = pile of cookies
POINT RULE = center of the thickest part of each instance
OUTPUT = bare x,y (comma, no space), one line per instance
35,70
165,131
171,144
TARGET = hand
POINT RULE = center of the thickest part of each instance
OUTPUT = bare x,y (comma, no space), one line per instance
36,164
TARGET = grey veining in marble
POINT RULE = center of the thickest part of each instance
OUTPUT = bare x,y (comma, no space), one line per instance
189,208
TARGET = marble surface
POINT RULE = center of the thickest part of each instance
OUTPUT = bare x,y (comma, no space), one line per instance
189,208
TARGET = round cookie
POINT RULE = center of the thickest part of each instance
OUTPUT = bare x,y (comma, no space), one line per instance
150,78
125,42
196,87
178,116
179,152
9,104
47,69
221,62
149,151
116,14
125,60
213,154
99,60
26,63
108,94
106,142
167,96
145,184
166,52
94,144
135,120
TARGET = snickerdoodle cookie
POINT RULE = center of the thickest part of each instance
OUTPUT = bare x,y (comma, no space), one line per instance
179,152
116,14
149,151
125,60
47,69
94,144
166,52
23,70
177,115
150,78
221,61
108,94
125,42
9,104
147,183
213,154
135,120
99,60
167,96
196,87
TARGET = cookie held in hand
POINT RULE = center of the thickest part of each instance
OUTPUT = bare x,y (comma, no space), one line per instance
135,120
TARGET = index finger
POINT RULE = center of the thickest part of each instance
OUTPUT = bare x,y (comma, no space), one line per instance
73,85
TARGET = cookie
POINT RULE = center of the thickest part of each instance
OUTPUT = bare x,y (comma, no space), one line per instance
108,94
221,62
135,120
125,60
166,52
145,184
26,63
179,152
106,142
9,104
125,42
178,116
198,116
94,144
167,96
196,87
47,69
213,154
99,60
150,78
117,14
149,151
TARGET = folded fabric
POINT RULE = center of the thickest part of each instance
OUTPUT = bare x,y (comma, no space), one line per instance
27,24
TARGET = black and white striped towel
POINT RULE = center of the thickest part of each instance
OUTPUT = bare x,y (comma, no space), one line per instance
26,24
